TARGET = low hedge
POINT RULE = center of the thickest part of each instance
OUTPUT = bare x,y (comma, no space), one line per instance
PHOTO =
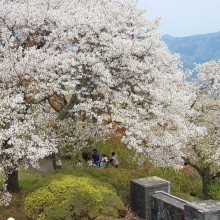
73,198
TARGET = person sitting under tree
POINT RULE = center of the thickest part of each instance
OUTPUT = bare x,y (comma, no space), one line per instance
114,160
104,161
95,157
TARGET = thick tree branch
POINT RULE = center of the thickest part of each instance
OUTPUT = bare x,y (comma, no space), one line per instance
53,106
64,112
187,162
217,175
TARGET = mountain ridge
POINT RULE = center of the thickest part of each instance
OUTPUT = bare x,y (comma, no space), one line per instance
193,49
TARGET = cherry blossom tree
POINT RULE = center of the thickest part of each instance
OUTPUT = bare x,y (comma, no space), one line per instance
23,140
94,64
203,151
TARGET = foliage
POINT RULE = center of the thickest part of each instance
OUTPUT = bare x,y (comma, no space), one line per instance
184,183
73,198
214,190
128,158
129,161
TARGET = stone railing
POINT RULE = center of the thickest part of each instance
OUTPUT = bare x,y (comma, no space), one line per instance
151,200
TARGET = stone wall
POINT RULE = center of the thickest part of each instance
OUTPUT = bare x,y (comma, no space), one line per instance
202,210
166,206
151,200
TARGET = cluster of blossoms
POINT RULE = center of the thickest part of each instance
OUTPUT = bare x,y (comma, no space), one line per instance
25,134
203,151
5,198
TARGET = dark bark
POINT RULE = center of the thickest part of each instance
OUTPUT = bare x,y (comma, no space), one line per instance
217,175
187,162
206,180
204,172
12,182
11,173
54,161
53,106
64,112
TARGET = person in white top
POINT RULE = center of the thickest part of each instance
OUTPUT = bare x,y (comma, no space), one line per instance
114,160
104,161
79,163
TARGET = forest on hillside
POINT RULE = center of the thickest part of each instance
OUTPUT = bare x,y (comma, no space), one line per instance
196,48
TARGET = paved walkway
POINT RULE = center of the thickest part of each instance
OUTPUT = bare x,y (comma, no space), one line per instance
46,166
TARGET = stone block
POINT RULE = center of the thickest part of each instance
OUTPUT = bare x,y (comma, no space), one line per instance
202,210
165,206
141,191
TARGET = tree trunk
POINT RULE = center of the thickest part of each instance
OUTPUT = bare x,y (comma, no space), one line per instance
54,161
206,179
12,182
64,112
204,172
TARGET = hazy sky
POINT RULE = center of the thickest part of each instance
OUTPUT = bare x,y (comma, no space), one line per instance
185,17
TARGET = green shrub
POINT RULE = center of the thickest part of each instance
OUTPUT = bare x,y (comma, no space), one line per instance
214,190
183,184
73,198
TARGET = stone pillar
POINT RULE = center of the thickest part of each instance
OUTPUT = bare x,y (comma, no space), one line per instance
202,210
141,192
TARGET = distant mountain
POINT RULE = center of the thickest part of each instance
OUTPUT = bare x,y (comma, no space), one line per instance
196,48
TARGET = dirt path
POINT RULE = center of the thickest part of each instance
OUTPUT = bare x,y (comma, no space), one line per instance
46,166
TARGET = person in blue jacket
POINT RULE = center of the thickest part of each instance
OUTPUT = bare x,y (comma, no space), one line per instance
95,157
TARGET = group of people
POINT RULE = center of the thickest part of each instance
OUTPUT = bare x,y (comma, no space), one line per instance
94,160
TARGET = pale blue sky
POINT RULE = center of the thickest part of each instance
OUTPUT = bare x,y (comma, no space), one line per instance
185,17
